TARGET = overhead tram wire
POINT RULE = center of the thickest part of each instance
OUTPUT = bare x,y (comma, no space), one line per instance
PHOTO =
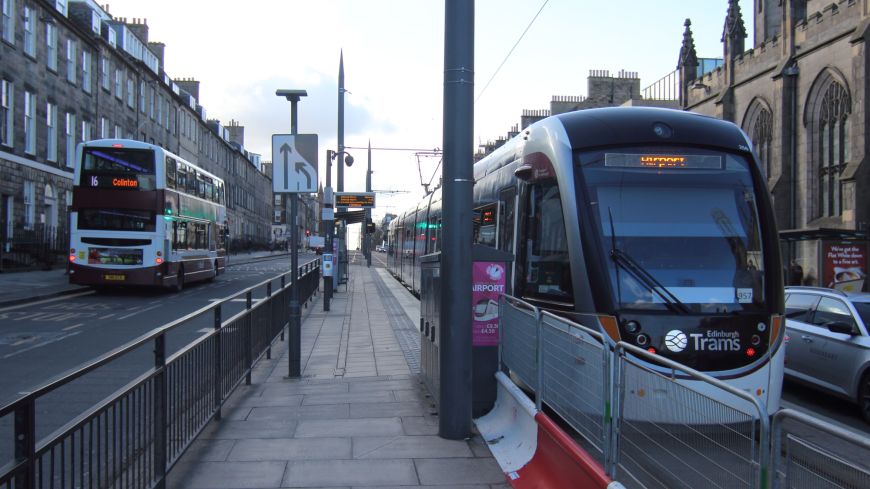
511,51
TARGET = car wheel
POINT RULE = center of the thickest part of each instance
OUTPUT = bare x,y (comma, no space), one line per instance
864,397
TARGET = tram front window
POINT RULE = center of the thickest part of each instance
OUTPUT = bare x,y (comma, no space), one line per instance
680,230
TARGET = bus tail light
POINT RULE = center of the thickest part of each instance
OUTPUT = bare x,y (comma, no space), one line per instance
72,255
159,258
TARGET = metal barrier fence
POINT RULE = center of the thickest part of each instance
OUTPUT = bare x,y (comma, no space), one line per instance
655,423
806,461
135,436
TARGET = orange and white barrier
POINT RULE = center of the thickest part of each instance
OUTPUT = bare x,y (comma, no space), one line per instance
532,450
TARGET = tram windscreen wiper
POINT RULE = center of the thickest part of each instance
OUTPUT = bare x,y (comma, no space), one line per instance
638,272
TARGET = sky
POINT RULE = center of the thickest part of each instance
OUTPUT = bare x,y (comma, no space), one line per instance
241,52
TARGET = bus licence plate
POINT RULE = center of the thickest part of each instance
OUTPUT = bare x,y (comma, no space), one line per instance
115,277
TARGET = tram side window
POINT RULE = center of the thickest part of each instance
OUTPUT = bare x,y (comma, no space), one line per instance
506,220
546,270
484,225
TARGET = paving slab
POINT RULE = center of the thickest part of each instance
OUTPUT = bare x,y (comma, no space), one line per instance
356,473
396,447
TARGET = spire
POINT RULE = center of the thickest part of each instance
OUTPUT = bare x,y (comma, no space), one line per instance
688,55
734,33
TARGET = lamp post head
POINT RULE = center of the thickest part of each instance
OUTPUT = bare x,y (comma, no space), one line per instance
291,95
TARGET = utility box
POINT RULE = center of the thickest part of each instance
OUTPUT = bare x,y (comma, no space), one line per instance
491,269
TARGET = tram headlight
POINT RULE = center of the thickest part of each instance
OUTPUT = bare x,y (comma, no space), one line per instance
755,340
642,339
632,327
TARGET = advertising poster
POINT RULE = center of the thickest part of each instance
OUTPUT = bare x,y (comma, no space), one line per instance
488,281
844,265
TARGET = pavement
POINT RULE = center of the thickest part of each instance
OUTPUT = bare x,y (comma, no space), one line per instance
27,286
359,416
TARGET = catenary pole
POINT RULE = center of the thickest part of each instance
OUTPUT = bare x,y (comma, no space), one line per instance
454,421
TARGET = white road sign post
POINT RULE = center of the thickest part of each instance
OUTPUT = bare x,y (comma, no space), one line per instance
294,163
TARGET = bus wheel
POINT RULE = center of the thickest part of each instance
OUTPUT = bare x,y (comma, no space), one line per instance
215,272
179,281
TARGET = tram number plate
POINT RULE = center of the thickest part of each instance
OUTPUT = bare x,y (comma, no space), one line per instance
115,277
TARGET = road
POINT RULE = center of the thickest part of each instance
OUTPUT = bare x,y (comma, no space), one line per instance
43,340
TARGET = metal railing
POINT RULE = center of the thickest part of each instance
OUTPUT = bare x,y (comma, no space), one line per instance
136,435
37,246
801,459
655,423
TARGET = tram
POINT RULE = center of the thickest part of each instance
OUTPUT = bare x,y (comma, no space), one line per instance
653,225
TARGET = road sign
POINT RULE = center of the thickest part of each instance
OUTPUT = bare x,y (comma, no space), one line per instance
355,199
294,163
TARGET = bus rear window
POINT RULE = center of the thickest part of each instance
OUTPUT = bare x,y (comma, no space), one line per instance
130,169
116,220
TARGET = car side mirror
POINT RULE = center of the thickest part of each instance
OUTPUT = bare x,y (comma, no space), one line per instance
841,327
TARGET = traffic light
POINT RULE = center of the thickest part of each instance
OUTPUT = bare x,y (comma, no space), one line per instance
307,232
370,226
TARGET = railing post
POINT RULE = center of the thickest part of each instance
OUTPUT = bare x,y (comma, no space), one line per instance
281,305
248,343
217,363
271,326
539,357
160,440
25,444
607,396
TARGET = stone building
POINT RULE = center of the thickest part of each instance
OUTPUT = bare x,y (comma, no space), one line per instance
70,72
800,93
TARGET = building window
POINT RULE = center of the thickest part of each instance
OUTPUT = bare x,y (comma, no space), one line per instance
71,61
51,46
30,123
151,103
104,128
119,133
29,204
142,96
29,32
9,21
7,96
833,148
86,131
51,125
159,109
86,71
131,94
104,73
119,89
70,139
762,135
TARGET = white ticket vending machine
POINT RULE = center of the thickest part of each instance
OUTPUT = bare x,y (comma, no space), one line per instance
327,264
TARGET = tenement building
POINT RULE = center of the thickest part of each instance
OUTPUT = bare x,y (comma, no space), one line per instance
70,72
801,94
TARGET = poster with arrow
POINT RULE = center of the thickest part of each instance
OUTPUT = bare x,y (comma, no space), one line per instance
294,163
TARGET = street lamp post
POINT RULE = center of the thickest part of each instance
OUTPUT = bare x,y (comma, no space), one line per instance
294,340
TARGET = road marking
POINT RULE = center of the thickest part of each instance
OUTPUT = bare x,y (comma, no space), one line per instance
74,326
38,345
238,300
137,312
107,316
205,330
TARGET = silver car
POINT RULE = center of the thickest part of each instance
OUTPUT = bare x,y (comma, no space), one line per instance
828,342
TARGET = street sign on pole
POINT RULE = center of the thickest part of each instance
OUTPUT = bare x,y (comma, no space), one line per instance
294,163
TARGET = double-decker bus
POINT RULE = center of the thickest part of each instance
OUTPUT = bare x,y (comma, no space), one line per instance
144,216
